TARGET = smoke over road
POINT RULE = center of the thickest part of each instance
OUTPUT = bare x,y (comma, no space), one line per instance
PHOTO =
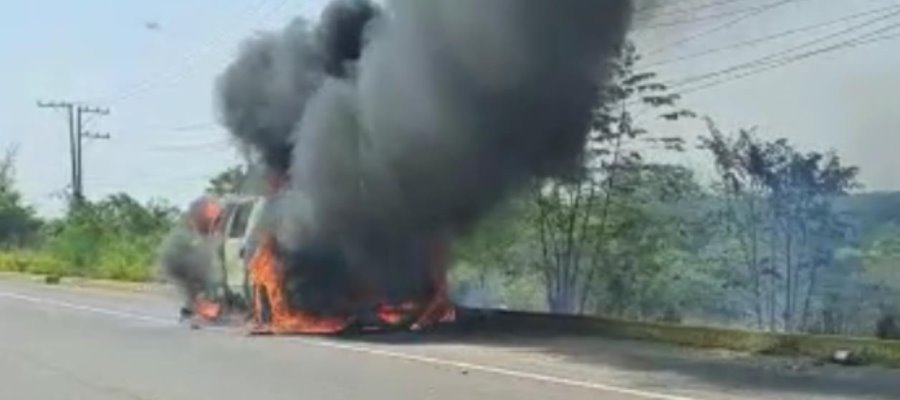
186,256
398,127
188,261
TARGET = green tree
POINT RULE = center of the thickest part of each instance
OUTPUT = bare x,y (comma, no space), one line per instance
229,181
124,215
646,232
18,224
882,264
881,277
487,272
571,217
779,208
115,237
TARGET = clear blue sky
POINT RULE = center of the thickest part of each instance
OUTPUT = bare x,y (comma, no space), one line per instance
158,83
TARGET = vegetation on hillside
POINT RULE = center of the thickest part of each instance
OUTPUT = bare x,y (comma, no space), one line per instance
775,243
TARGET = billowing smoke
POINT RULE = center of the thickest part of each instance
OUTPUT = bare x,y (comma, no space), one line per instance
187,261
187,255
342,32
397,128
267,89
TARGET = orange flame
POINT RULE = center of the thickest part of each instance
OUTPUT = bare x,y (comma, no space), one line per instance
271,311
273,314
439,309
205,215
206,310
395,314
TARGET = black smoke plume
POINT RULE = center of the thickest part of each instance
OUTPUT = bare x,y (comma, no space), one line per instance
400,127
189,256
187,261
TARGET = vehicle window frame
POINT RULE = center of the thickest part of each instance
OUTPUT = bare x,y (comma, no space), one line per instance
240,217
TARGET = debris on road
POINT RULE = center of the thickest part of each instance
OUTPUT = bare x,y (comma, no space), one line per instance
847,357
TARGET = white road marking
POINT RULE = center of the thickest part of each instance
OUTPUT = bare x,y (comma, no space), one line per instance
86,308
372,351
500,371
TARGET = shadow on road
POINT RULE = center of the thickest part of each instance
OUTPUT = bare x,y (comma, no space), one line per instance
728,371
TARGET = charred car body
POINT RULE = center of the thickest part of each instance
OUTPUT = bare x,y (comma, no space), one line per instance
243,280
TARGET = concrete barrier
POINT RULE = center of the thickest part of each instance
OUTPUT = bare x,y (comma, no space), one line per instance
870,350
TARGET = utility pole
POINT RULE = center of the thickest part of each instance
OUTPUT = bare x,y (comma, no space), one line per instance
70,114
74,112
81,134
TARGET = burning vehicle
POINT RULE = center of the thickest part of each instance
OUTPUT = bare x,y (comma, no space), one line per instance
385,132
199,256
241,278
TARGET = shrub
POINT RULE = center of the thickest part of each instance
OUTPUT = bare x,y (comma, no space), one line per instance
127,259
78,247
33,262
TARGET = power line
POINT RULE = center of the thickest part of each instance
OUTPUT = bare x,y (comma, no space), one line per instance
663,5
82,134
113,185
785,57
77,135
70,114
680,10
172,145
186,61
261,12
750,14
698,18
784,52
196,127
774,36
215,145
174,139
852,43
189,60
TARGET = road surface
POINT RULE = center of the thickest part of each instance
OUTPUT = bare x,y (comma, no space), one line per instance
59,342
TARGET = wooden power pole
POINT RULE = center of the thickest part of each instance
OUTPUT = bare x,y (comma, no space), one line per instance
77,134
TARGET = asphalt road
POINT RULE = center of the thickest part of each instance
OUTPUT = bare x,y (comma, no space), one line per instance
61,342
